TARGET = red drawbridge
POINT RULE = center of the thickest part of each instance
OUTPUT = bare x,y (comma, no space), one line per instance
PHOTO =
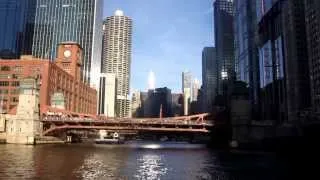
56,119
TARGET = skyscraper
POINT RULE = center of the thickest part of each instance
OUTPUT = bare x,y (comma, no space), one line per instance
283,60
16,27
107,94
195,88
209,76
116,57
312,10
224,40
73,20
246,48
186,90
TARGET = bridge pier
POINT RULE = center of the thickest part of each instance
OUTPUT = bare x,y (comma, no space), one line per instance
25,126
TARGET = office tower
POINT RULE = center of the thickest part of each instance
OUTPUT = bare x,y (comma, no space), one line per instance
209,77
186,90
116,57
107,94
224,40
312,13
246,48
195,89
16,27
283,59
136,104
159,101
177,104
73,20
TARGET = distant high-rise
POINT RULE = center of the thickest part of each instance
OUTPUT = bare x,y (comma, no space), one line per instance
73,20
186,90
186,80
209,77
16,27
224,40
107,94
195,88
116,57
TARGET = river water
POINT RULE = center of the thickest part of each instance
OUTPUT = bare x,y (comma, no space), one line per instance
136,161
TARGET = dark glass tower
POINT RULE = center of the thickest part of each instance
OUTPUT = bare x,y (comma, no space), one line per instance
246,49
224,40
79,21
16,27
312,9
283,58
209,77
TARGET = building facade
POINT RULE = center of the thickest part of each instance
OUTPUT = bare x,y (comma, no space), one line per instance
283,61
312,13
116,57
58,77
195,89
187,91
107,94
16,27
209,77
246,49
78,21
158,103
224,40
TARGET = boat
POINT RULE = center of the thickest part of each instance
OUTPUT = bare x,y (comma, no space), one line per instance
108,141
104,139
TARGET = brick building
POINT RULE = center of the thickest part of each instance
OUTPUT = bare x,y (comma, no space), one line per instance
61,76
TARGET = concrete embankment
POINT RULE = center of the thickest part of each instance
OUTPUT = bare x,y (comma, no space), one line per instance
48,140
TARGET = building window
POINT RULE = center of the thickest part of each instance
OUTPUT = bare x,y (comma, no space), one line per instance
4,83
15,83
5,68
4,91
15,91
18,69
15,99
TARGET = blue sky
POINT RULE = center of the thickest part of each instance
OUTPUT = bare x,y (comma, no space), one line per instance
168,38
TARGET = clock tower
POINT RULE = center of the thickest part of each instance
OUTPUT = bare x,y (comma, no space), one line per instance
69,58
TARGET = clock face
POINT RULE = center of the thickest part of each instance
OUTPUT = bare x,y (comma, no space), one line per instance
67,53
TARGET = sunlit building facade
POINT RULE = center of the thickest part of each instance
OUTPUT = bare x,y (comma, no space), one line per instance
61,76
73,20
116,57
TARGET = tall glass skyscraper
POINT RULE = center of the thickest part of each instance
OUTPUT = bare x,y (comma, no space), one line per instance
224,40
16,27
117,57
246,48
209,76
79,21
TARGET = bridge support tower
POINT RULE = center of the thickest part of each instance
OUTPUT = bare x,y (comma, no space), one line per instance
25,126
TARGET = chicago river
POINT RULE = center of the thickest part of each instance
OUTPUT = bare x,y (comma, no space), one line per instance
136,161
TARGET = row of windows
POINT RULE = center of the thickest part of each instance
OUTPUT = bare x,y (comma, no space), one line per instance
6,83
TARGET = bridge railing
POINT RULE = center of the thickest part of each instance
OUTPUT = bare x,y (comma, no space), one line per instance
65,116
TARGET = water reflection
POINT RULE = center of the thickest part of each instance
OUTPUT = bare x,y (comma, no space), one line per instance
150,166
126,162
